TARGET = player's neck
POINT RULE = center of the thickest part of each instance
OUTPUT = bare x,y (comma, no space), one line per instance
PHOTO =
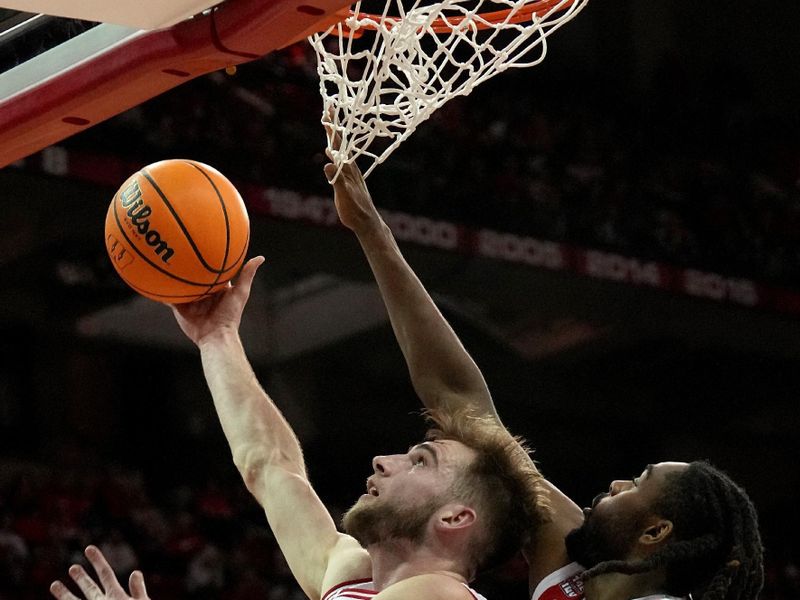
616,586
395,560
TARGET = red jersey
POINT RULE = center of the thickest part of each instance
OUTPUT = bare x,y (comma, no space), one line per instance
564,584
364,590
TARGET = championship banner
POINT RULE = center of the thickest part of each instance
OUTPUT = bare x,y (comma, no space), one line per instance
451,237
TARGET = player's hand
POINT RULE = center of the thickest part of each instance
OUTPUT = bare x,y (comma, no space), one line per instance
351,196
109,588
221,312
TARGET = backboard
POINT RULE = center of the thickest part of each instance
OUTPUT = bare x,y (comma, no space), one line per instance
144,14
60,75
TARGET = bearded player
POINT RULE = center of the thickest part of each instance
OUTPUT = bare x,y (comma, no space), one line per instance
429,519
677,529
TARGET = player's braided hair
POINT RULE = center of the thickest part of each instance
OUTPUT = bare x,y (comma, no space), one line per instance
716,553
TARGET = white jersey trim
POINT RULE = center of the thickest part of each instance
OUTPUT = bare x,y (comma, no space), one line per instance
555,577
363,588
475,594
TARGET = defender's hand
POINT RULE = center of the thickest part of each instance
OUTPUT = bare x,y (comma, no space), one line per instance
351,196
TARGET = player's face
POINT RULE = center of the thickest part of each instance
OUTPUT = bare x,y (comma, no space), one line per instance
618,517
406,490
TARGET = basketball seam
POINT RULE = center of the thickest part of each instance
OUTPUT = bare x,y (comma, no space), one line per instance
145,291
135,248
180,224
224,214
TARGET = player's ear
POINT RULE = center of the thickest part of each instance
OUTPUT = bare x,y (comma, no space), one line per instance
656,532
455,516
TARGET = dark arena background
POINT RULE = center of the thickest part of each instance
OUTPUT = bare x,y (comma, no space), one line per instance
614,234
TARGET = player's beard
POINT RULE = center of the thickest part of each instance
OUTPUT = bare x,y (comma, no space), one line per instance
376,521
601,539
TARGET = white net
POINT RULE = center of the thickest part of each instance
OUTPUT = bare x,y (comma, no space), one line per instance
381,75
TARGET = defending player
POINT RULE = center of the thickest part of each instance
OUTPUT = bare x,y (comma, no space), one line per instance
429,520
679,529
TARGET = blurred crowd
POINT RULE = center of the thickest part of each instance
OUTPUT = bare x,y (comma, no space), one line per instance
192,541
692,171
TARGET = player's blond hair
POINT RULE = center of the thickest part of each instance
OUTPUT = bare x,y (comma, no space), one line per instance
502,484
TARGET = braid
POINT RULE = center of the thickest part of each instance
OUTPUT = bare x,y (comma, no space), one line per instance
740,573
716,552
683,550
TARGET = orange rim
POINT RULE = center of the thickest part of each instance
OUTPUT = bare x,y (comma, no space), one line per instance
445,25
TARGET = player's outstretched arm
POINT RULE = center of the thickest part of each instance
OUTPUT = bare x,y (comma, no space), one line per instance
442,371
107,587
265,449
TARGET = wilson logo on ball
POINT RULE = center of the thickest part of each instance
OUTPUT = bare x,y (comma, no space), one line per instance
131,199
177,231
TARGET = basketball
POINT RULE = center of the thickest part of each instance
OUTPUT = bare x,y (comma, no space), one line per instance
177,231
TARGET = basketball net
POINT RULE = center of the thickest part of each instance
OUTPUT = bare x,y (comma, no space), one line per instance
381,75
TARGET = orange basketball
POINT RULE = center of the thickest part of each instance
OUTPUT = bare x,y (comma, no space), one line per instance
177,231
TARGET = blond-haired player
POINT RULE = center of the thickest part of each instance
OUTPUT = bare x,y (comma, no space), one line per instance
429,518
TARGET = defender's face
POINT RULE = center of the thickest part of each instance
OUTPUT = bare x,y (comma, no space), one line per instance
618,517
406,490
638,493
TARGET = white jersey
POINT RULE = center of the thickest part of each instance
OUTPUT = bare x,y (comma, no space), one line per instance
363,589
566,584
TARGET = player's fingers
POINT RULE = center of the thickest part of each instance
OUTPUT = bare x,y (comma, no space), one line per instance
136,584
85,583
330,171
333,135
60,591
330,133
186,310
248,273
330,115
104,571
252,265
